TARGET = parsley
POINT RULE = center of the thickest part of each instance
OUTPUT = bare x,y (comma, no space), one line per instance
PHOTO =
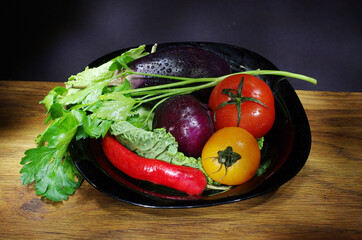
50,165
73,114
122,61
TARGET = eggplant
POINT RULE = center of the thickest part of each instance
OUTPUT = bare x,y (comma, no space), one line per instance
182,61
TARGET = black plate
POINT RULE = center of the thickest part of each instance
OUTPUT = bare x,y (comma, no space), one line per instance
287,145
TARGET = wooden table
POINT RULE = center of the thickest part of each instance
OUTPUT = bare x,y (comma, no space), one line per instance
324,201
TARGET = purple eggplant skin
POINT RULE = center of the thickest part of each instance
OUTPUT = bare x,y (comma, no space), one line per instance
188,120
182,61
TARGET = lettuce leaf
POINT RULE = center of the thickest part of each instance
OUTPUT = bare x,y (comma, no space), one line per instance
156,144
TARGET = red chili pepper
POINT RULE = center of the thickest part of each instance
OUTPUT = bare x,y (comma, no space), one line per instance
185,179
109,168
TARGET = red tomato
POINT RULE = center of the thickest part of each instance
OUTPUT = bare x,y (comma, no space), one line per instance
254,99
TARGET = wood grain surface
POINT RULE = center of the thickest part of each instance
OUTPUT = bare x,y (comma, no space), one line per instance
322,202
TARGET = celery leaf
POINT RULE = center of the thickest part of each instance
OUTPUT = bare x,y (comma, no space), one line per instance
49,164
127,57
90,75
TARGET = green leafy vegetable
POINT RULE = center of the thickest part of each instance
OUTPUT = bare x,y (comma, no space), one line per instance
156,144
141,117
90,76
122,61
49,165
260,142
115,110
52,96
93,127
84,113
87,95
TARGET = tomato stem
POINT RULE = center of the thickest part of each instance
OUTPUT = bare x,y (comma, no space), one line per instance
227,158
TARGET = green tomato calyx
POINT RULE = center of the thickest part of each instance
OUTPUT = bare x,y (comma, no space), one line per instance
227,158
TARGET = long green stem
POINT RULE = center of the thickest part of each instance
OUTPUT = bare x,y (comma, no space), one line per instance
182,81
163,95
130,72
185,85
251,72
210,82
167,85
279,73
152,110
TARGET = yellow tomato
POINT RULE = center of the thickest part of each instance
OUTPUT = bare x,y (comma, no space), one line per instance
231,156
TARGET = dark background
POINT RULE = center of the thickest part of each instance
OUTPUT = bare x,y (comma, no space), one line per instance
51,40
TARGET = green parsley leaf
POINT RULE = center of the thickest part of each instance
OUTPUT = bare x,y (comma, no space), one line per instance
141,118
49,164
122,87
127,57
95,127
90,76
117,109
59,181
56,111
55,177
87,108
81,133
35,160
62,130
87,95
52,96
